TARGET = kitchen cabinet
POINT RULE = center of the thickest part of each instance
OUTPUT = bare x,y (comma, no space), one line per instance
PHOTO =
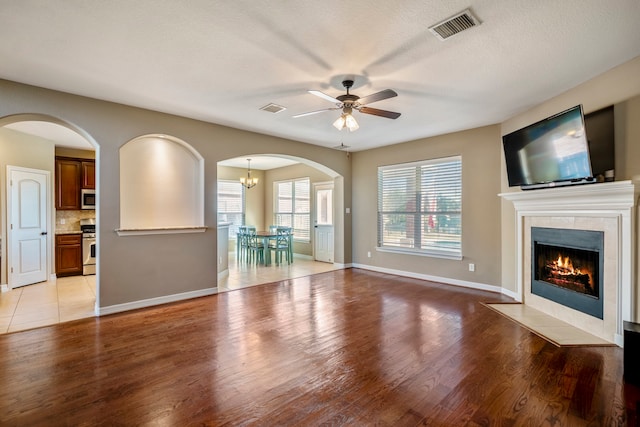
68,255
88,173
73,175
67,179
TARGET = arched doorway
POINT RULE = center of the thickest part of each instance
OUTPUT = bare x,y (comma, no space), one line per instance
31,142
258,207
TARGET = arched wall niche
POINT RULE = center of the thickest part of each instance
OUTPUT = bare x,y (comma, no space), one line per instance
161,186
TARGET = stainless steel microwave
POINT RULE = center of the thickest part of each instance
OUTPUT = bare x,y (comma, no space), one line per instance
88,199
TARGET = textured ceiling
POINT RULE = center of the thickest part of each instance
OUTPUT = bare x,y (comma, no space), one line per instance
220,61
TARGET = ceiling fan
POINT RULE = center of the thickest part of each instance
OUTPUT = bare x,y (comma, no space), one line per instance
348,102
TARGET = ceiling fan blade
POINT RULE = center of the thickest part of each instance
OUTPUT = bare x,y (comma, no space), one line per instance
381,113
315,112
325,96
378,96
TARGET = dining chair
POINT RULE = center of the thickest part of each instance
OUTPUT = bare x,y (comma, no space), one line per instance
282,244
242,244
272,231
255,247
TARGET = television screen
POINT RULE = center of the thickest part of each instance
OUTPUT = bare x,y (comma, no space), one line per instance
550,151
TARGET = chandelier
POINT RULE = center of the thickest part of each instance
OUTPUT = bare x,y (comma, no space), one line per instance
249,182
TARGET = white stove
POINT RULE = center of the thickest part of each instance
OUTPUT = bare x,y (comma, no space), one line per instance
88,228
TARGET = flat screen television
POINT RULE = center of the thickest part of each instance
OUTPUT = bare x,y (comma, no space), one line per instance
549,153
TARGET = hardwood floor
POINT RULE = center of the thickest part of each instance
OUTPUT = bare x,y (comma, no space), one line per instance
347,347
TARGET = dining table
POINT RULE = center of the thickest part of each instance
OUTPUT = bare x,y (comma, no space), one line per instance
266,235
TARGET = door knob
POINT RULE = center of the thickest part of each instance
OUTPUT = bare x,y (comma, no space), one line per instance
44,233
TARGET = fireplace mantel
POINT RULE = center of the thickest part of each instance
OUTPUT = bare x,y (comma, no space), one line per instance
589,197
611,202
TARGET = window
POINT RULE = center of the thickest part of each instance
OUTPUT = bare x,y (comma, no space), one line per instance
293,207
420,207
231,205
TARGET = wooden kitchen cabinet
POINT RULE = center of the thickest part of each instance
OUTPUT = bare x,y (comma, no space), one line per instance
73,175
67,179
88,173
68,255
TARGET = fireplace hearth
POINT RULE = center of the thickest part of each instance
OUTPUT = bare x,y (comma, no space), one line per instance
566,267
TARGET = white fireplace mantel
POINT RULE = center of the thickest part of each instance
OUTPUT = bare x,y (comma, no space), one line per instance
615,201
607,196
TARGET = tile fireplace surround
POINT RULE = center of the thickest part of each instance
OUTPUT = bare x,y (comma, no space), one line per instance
608,207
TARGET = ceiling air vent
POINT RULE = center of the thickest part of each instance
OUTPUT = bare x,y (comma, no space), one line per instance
273,108
454,25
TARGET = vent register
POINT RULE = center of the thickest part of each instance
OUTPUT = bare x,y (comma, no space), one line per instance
454,25
273,108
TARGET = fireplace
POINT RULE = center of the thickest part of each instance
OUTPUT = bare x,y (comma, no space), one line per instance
567,268
610,210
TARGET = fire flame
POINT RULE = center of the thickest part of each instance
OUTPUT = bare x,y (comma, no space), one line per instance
565,266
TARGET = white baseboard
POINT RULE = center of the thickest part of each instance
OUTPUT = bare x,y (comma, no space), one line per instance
343,266
511,294
619,340
4,288
150,302
301,256
223,274
445,280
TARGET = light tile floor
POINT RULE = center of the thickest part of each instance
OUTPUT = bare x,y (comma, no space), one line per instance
71,298
47,303
242,275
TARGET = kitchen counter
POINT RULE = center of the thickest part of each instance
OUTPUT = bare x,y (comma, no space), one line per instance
68,232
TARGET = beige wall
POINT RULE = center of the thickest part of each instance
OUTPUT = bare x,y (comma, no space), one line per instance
19,149
627,119
619,87
480,153
139,268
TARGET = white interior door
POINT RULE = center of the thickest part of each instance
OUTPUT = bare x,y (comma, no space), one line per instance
323,237
27,225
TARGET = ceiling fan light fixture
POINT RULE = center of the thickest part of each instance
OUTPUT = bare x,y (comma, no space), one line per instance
340,122
351,123
349,102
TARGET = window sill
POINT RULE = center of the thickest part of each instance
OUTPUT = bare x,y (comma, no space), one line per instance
161,230
431,254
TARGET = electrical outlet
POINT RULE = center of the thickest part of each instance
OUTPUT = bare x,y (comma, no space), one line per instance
63,221
369,254
472,267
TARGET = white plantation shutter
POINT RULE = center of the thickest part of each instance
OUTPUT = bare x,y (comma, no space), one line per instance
293,207
420,207
231,204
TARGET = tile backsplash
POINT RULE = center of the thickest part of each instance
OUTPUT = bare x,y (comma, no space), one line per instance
72,219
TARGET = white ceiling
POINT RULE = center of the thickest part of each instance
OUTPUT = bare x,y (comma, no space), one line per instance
259,162
220,61
60,135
